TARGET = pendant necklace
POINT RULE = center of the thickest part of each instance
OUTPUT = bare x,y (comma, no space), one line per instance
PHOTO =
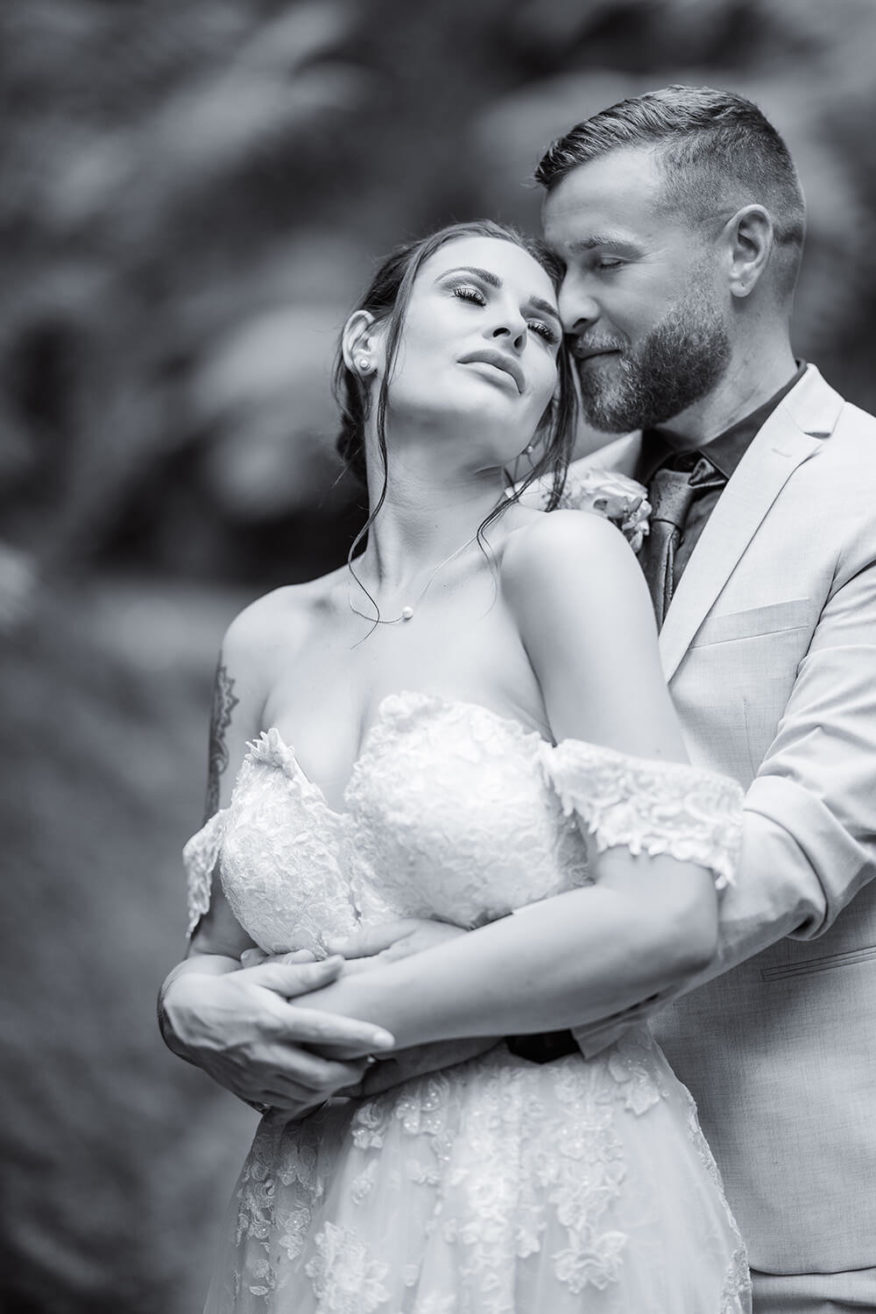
407,612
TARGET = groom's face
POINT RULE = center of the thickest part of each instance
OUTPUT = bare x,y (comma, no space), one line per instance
641,300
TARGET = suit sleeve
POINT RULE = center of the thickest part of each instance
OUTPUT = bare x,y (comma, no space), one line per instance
809,829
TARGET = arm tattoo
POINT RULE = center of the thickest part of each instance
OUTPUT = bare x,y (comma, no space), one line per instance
224,703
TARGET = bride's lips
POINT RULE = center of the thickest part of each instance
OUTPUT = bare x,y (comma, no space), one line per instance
499,361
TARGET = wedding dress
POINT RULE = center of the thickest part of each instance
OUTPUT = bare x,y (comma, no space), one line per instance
497,1186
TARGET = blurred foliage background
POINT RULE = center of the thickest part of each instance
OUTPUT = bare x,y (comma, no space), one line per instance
191,196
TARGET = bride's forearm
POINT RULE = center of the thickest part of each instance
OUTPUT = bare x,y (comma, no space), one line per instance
570,960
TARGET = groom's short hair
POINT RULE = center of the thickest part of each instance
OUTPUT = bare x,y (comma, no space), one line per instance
717,152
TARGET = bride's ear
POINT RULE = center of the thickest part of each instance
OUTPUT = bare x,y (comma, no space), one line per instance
359,344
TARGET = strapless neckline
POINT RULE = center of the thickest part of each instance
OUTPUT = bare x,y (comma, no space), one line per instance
452,810
392,708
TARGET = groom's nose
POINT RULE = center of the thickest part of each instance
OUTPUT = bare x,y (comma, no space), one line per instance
578,308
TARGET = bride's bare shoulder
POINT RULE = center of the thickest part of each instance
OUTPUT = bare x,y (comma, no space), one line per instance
570,569
563,542
279,622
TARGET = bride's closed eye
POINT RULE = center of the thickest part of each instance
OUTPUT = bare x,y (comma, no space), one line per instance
469,292
544,330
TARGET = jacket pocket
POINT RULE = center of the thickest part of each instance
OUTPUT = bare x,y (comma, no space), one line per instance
807,966
775,617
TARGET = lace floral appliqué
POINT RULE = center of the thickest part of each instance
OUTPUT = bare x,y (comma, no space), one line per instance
200,856
346,1280
650,807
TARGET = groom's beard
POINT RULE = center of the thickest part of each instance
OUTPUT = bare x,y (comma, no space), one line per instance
681,360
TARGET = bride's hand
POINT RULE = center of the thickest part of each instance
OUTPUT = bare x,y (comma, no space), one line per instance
390,941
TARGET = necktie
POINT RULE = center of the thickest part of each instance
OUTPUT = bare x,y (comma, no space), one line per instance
670,494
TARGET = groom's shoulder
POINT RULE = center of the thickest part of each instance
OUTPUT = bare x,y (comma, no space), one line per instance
837,487
848,431
855,434
847,464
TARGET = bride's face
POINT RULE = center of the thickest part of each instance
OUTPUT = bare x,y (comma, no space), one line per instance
478,351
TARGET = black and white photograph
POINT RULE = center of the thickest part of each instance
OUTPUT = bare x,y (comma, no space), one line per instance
438,656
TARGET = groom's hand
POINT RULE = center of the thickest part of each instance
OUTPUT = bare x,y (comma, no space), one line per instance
241,1029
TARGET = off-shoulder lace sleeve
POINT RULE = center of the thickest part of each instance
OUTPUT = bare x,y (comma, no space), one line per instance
649,806
200,856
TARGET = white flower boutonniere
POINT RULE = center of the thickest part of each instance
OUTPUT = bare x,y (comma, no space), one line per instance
615,496
620,499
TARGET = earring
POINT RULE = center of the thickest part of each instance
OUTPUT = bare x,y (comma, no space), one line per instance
363,365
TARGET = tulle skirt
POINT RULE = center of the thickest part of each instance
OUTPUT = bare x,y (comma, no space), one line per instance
497,1186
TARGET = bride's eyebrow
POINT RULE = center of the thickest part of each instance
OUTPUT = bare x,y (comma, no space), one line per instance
487,275
494,281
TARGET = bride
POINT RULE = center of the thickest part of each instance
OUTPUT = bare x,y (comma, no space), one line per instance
469,726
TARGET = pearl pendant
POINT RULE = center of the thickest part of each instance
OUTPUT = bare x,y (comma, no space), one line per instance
407,613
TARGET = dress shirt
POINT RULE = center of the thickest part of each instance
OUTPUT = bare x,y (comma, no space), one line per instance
723,453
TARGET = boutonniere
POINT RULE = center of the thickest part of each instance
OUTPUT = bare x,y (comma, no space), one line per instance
620,499
617,497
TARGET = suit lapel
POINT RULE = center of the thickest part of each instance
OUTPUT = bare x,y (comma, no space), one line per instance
791,435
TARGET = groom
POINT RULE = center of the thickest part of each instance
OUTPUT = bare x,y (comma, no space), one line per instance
680,220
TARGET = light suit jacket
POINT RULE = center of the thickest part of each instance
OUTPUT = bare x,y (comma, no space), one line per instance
769,646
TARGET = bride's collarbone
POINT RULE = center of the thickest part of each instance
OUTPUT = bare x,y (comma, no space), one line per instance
441,642
328,695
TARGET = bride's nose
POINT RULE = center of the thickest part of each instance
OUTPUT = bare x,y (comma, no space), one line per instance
511,332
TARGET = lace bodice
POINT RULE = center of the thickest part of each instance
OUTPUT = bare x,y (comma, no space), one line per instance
452,811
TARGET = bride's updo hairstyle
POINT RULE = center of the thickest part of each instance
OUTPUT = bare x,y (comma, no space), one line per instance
387,300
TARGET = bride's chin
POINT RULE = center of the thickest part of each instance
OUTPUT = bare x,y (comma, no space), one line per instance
481,404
